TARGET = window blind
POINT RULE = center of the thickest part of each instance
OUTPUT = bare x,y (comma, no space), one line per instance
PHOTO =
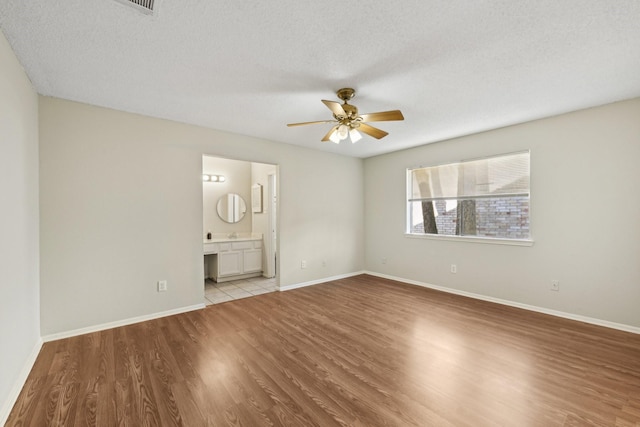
499,176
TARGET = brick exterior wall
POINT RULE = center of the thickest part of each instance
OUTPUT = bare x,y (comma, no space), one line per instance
501,218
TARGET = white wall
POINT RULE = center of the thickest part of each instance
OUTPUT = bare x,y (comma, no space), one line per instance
585,207
237,180
19,253
121,208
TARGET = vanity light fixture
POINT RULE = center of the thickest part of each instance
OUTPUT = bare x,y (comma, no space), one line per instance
213,178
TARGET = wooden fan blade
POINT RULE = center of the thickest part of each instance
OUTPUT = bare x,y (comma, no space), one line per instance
371,131
326,137
310,123
383,116
335,107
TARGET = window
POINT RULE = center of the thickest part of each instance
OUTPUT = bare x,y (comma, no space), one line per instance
485,198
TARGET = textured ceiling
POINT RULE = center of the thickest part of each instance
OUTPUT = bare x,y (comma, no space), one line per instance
452,67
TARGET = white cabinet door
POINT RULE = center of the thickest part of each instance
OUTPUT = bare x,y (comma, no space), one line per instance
229,263
252,260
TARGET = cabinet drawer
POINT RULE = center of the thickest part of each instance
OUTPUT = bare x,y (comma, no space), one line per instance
238,246
224,247
210,248
257,244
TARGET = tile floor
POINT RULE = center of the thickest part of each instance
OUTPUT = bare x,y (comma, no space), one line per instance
215,293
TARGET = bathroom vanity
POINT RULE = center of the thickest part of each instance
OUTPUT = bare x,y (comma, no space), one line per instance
233,257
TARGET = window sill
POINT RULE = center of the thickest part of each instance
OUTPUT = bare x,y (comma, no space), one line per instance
487,240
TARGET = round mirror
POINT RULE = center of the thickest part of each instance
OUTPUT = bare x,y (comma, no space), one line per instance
231,208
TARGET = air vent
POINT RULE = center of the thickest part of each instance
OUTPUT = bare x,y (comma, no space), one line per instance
144,6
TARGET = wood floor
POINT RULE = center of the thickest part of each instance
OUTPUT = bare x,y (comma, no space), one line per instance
356,352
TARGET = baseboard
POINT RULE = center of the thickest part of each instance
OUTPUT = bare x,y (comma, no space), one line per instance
7,406
316,282
118,323
571,316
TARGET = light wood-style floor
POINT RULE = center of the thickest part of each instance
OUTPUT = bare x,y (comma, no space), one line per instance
355,352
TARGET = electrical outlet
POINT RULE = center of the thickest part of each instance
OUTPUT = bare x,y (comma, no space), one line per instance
555,285
454,268
384,260
303,264
324,263
162,285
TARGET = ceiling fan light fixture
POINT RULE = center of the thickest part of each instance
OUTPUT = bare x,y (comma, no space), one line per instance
334,137
355,136
343,132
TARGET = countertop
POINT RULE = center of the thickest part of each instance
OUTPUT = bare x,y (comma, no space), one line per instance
238,237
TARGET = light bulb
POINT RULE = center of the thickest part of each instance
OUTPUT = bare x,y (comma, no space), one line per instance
355,136
214,178
221,178
206,178
343,132
334,137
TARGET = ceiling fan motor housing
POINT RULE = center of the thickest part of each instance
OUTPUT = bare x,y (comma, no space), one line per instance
351,110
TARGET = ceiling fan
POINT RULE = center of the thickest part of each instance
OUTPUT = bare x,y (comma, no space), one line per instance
349,122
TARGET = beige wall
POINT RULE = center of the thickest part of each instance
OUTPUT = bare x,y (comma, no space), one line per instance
121,208
19,288
585,207
237,180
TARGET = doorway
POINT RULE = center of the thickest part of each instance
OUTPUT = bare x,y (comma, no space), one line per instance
256,185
